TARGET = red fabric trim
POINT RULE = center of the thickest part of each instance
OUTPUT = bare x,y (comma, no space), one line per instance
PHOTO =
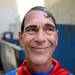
58,70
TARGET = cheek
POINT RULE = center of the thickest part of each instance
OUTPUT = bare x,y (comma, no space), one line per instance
25,45
26,41
53,39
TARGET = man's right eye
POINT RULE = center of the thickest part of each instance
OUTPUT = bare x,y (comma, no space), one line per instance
31,30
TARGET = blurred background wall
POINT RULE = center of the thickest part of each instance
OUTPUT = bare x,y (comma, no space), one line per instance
63,10
9,17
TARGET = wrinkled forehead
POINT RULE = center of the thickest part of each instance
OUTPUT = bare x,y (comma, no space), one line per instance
37,14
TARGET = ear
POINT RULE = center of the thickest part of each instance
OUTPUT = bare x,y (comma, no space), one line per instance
57,38
20,38
20,35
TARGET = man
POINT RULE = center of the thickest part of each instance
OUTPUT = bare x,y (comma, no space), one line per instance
39,38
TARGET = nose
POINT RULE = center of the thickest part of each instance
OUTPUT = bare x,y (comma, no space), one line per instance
40,37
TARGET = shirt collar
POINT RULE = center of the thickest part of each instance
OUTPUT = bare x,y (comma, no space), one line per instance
47,73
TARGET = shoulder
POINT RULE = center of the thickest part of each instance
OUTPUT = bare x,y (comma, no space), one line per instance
71,74
13,72
58,69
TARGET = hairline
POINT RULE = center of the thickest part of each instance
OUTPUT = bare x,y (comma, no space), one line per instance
38,8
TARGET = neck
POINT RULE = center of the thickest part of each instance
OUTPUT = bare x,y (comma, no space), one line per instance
33,68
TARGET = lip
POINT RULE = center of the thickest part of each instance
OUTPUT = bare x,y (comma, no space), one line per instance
39,49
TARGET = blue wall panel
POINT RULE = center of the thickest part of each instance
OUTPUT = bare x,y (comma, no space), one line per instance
65,52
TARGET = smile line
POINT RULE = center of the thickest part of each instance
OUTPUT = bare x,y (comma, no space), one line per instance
40,48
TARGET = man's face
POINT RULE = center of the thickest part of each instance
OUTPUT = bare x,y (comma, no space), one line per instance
39,37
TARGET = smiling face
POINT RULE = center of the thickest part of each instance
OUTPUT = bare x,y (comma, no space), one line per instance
39,38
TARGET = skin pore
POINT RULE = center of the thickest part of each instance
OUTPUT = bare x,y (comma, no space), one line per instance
39,40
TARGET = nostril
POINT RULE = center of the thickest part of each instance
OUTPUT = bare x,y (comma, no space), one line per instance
39,40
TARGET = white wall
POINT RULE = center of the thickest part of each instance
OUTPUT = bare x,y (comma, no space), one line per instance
25,5
8,12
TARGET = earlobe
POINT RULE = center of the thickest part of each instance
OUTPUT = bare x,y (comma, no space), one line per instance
57,40
20,38
20,35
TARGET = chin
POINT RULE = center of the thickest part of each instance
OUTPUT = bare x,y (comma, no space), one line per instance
40,60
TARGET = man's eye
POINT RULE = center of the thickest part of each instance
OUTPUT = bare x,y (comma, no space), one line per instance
31,30
50,29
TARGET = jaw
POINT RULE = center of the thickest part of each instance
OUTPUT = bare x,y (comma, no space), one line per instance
41,65
39,59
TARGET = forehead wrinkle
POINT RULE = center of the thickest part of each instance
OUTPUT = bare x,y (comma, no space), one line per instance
34,14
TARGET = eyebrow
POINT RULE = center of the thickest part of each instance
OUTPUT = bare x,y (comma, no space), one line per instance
34,26
50,25
30,26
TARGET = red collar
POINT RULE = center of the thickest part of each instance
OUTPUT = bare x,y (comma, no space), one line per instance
22,70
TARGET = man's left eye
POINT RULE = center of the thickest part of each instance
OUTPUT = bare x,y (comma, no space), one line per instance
50,29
